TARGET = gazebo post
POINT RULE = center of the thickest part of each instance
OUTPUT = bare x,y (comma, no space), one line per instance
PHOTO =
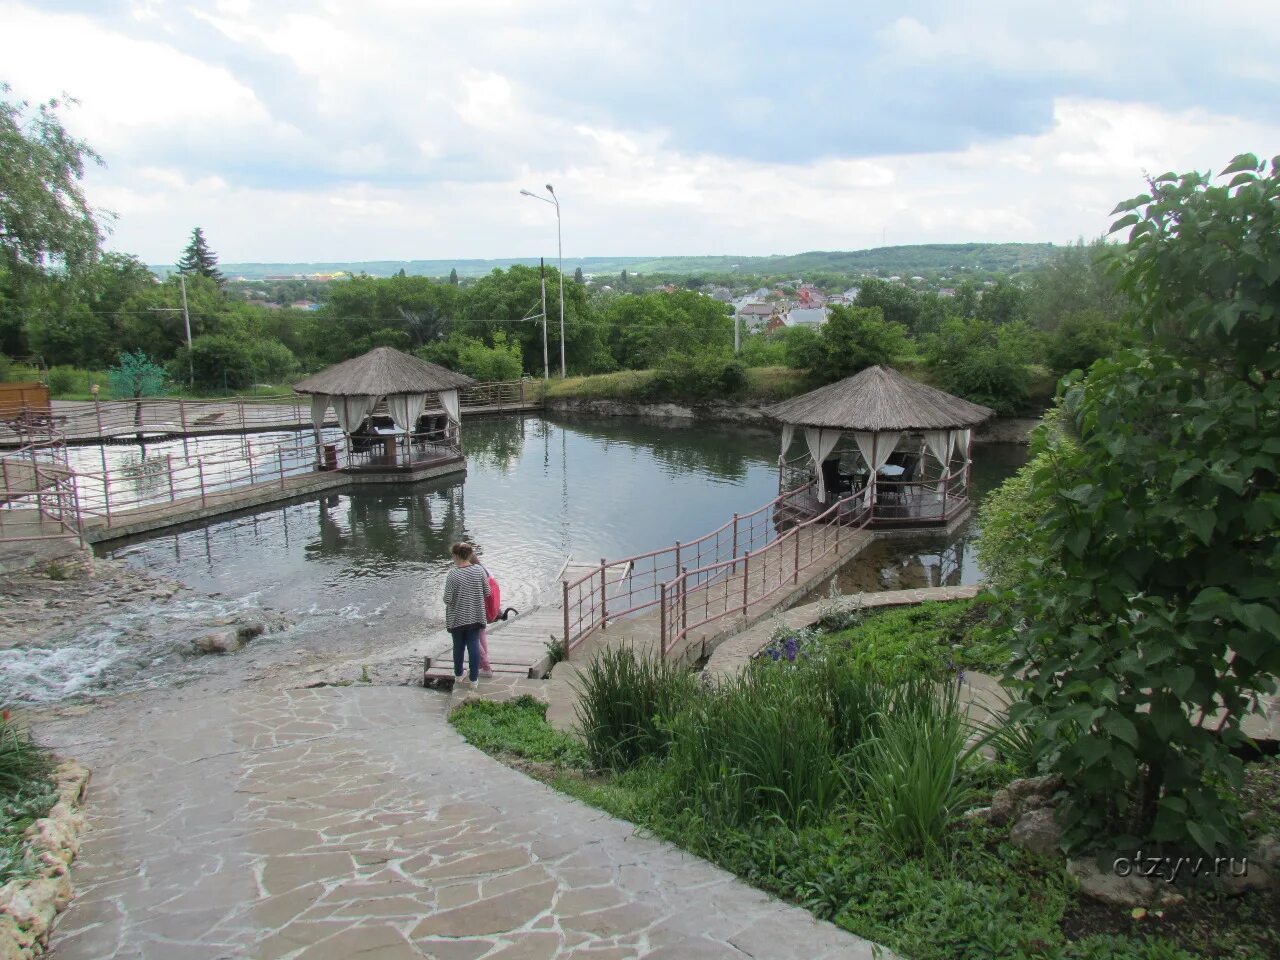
872,472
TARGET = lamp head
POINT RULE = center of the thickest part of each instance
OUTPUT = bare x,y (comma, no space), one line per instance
527,193
549,190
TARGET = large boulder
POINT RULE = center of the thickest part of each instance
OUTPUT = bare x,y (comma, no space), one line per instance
1038,832
219,641
1121,891
1023,794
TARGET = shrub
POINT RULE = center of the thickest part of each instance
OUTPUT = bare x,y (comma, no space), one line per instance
762,350
697,377
1152,603
63,380
1080,339
912,773
758,747
624,700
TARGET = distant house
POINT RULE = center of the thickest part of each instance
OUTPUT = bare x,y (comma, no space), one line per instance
806,317
775,323
305,305
754,315
851,294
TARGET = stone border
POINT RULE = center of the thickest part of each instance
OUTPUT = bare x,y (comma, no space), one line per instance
28,905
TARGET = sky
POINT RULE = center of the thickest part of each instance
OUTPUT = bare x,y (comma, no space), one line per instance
331,130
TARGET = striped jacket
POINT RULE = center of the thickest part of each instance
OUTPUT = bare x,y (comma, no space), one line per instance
465,590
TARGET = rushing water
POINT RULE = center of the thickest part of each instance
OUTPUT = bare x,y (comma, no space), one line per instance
371,561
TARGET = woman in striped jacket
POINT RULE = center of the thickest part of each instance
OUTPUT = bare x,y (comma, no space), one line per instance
466,589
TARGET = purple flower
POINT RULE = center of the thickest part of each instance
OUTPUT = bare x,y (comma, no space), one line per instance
774,653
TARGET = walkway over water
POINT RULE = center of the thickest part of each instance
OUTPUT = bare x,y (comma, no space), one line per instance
740,574
92,421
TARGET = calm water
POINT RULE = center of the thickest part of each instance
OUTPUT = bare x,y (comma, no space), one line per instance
537,491
365,567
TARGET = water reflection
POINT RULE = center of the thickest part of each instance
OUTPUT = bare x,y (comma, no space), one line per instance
933,560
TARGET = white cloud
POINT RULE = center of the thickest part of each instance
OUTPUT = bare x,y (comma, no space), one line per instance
403,129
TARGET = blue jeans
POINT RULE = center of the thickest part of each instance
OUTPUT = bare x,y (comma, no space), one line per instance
467,638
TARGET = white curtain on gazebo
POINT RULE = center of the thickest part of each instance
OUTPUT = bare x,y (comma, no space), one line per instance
876,449
351,411
940,443
452,408
962,441
405,408
788,436
820,443
319,407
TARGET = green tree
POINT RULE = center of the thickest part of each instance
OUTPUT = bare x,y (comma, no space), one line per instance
1003,302
972,359
854,338
577,275
897,303
199,260
44,216
453,276
1150,613
1081,338
134,377
1074,283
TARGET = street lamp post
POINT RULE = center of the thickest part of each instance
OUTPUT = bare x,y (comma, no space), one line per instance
555,202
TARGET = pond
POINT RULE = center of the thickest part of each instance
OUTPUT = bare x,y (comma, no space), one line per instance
367,566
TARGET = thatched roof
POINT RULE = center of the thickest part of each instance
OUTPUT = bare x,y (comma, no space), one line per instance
380,372
879,398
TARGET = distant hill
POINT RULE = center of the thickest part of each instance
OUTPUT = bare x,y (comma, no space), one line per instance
905,260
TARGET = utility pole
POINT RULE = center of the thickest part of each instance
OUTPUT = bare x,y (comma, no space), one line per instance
737,340
542,277
186,319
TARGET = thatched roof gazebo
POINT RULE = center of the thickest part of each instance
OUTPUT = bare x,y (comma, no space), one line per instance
354,387
880,408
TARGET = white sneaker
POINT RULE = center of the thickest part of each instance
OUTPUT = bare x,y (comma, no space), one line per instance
486,673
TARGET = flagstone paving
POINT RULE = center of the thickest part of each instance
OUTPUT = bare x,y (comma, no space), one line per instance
333,823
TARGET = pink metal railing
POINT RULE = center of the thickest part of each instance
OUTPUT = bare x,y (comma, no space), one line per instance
735,585
38,494
623,587
181,417
115,493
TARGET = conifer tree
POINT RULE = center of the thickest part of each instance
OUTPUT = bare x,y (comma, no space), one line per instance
198,259
453,276
577,275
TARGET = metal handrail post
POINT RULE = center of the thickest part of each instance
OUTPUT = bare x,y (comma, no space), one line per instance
565,638
662,619
200,473
168,460
604,612
746,582
735,536
281,452
796,578
684,603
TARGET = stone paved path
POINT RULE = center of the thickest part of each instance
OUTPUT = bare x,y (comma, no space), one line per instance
354,822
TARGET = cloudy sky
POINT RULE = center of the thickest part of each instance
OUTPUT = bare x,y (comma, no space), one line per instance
306,130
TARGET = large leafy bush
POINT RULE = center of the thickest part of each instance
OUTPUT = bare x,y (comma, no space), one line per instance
1150,616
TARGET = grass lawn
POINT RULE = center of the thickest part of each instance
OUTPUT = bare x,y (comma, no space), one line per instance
742,775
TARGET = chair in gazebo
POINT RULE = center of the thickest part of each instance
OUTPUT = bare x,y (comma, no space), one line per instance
900,446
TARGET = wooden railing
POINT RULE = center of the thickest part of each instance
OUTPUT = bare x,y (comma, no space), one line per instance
620,588
734,586
38,494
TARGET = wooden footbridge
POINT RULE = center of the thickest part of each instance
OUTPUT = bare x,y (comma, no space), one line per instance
677,602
